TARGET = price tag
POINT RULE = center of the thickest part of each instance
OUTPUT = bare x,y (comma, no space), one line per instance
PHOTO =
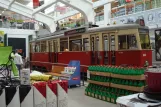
88,74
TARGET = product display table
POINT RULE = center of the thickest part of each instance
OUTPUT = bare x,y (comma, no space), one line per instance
134,101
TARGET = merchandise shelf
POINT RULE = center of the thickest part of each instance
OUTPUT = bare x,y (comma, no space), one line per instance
107,84
131,88
129,77
100,73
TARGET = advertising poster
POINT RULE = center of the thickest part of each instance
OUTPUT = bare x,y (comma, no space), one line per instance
158,44
158,17
150,18
1,38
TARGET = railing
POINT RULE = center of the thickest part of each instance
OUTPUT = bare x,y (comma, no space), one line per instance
15,25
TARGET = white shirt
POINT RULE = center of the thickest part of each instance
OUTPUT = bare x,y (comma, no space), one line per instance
18,59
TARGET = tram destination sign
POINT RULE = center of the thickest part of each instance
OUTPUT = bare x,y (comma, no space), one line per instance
75,31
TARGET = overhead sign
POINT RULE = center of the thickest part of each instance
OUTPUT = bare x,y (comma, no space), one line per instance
36,3
75,31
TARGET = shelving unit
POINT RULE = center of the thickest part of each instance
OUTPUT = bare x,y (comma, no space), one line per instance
129,77
99,83
116,86
130,88
100,73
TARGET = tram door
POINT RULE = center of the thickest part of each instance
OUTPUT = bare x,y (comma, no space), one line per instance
109,48
96,57
50,46
55,54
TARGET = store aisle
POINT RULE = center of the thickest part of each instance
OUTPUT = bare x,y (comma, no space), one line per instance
78,99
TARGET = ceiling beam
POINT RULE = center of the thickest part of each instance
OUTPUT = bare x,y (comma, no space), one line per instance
11,2
39,9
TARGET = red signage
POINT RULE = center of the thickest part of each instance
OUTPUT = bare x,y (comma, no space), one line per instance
36,3
75,31
128,1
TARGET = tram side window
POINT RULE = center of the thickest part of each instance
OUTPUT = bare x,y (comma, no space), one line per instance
145,41
37,48
122,42
76,45
127,42
32,48
64,46
86,46
132,43
50,46
43,47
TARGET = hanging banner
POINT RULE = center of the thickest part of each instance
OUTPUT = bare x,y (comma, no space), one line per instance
1,38
36,3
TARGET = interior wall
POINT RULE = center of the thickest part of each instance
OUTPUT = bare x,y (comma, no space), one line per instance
19,33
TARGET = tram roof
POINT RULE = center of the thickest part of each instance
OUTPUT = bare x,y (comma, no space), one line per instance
90,30
116,27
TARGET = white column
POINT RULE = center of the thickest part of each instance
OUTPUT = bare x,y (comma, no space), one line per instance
107,13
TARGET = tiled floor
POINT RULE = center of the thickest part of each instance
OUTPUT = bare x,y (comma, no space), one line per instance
78,99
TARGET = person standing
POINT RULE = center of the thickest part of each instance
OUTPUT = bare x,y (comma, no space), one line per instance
18,60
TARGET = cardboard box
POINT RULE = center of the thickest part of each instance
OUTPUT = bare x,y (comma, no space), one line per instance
51,95
40,94
112,100
26,96
62,93
12,96
104,98
2,98
108,99
96,95
92,95
100,97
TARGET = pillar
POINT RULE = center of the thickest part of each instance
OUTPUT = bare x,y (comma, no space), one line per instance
107,13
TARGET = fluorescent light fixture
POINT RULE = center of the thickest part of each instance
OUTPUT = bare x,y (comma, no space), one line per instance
0,14
2,11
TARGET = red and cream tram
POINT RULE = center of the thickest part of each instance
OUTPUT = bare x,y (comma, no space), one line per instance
112,45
